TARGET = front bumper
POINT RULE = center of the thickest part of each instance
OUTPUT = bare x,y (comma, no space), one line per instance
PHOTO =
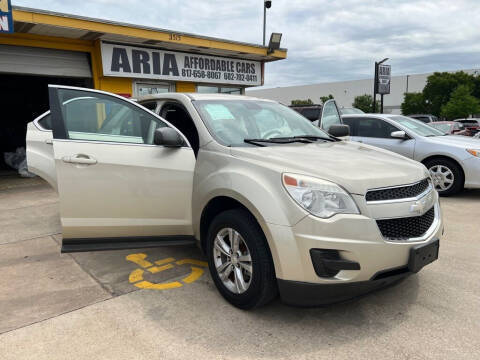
357,240
299,293
471,166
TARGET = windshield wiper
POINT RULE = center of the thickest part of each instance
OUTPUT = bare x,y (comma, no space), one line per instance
308,137
284,140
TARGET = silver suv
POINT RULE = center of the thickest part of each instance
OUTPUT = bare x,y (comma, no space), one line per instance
453,161
277,204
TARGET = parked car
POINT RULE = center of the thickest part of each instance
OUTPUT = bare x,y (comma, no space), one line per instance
426,118
277,204
472,125
322,116
352,110
311,112
477,135
453,161
450,128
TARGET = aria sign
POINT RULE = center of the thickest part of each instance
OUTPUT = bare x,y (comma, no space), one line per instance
6,17
147,63
383,85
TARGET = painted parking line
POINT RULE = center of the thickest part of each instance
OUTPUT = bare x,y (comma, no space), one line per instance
136,276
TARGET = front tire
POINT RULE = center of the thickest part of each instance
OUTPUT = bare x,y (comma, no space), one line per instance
447,176
240,261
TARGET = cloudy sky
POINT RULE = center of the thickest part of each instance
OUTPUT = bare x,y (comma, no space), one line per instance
326,40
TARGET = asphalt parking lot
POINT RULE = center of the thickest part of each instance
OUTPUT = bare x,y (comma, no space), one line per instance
122,304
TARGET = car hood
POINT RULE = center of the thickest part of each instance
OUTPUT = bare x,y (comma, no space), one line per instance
465,142
356,167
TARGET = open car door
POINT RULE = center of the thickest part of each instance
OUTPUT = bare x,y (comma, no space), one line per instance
117,189
330,115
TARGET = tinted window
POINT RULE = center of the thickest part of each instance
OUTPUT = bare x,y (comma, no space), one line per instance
376,128
150,105
46,122
311,114
469,122
351,123
99,117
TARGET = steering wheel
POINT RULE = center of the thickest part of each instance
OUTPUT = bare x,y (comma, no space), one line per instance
269,133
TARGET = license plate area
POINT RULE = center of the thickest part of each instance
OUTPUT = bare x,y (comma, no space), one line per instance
422,255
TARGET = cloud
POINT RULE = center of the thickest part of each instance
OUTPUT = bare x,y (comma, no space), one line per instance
327,40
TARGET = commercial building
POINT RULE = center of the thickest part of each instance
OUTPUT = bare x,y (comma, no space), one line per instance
345,92
131,60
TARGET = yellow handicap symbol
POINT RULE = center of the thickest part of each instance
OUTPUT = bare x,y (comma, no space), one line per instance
136,276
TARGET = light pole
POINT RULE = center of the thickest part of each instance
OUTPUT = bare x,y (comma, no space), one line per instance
266,5
375,84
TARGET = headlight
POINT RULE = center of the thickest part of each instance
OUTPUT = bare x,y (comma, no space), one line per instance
319,197
474,152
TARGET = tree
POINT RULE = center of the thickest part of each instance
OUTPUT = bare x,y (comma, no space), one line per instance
461,104
365,103
440,86
414,103
302,102
324,99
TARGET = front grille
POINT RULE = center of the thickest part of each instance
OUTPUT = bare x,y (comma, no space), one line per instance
402,192
406,228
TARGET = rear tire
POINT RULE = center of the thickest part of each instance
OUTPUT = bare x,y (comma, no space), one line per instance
447,176
243,283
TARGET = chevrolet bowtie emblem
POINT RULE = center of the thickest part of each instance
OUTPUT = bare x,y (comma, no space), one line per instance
419,206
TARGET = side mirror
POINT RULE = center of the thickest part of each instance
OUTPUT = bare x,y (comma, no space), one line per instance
339,130
399,135
168,137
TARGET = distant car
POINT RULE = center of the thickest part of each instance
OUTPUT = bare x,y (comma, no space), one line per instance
426,118
453,161
311,112
349,111
472,124
450,128
328,113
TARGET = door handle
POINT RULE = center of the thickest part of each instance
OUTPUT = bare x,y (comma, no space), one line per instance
79,159
49,141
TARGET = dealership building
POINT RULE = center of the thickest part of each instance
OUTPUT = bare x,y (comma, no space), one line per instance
345,92
45,47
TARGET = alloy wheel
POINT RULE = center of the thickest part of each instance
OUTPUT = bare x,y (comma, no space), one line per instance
232,260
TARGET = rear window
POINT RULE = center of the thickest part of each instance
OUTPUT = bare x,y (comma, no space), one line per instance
311,114
470,122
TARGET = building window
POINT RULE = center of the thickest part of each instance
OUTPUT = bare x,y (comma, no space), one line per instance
142,89
218,90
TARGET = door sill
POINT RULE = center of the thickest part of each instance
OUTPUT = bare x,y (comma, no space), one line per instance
140,242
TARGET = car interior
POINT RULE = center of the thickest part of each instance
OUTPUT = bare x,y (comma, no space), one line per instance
176,115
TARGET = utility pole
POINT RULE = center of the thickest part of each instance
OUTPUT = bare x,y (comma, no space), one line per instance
267,4
375,81
264,22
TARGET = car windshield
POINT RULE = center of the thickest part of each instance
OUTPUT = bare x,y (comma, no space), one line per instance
416,126
347,111
233,121
445,128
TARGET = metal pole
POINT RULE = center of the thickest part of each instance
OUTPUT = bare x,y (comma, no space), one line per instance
381,104
407,83
374,105
264,21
